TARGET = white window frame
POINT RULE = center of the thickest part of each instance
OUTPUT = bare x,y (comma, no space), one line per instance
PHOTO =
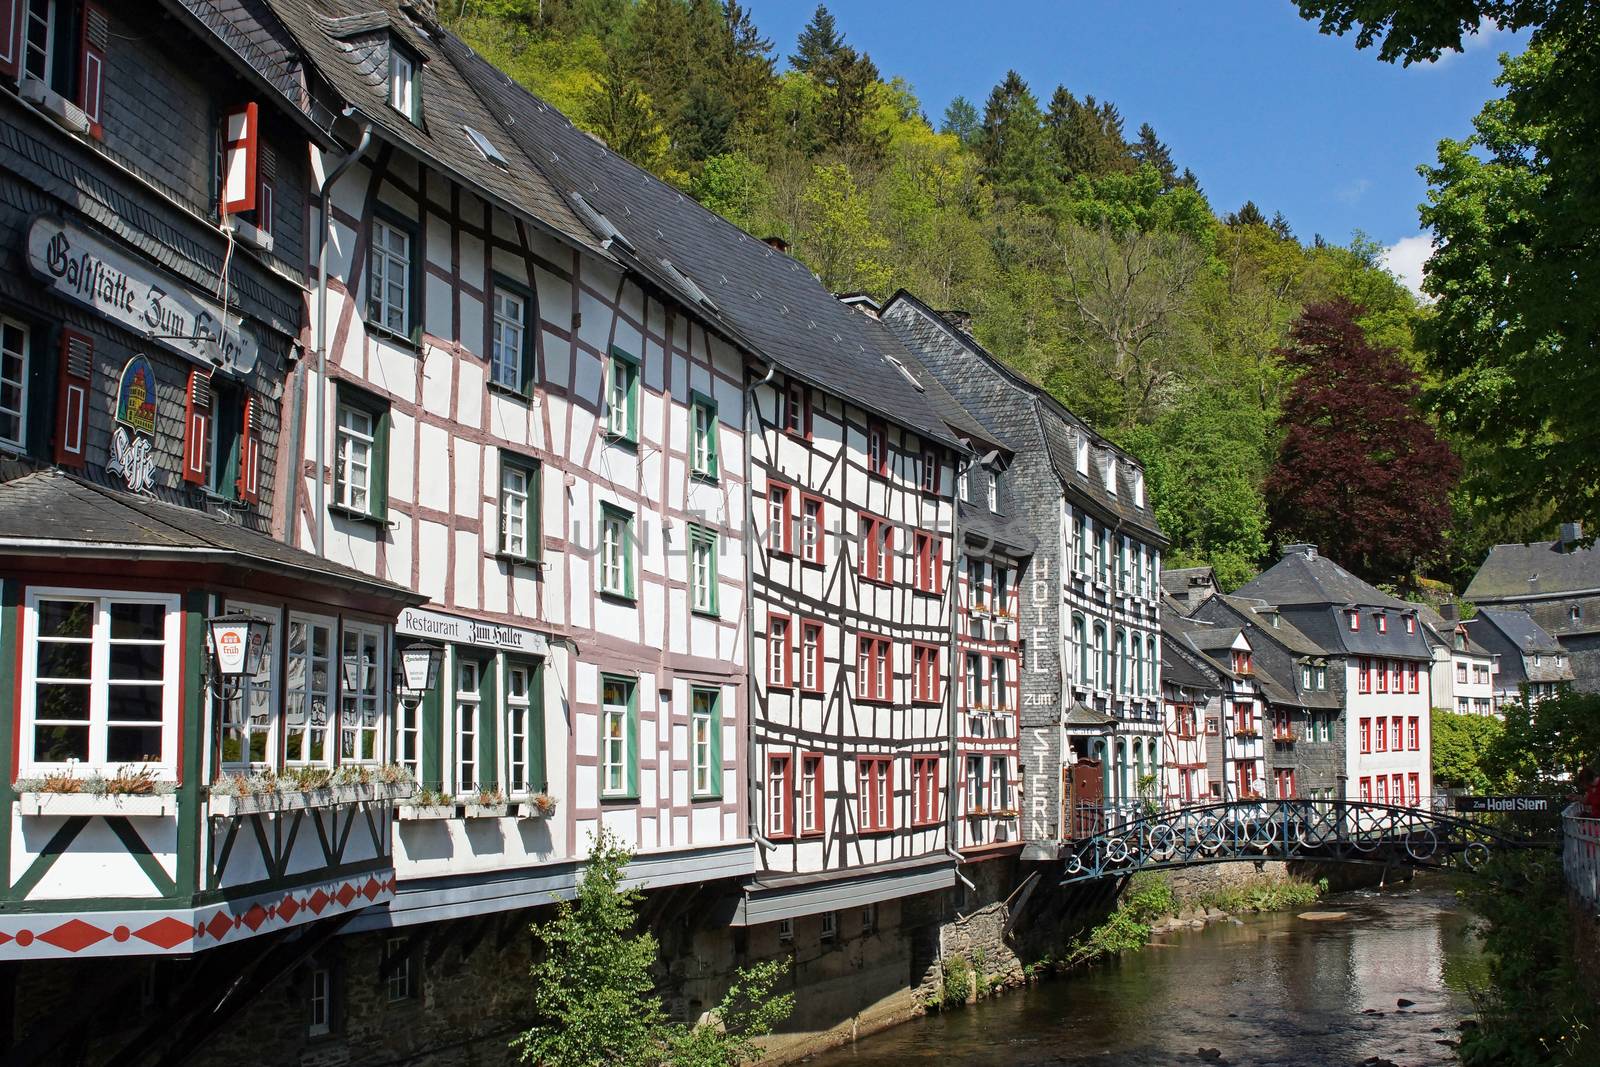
350,438
811,785
519,729
402,83
49,52
250,686
516,498
397,951
508,338
704,455
993,491
306,662
466,721
373,697
99,678
319,1002
703,577
615,563
22,356
614,743
387,267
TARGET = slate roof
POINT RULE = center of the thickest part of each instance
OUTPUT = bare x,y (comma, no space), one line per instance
50,505
925,327
257,44
1444,631
1177,580
346,42
1543,568
1284,632
1081,716
765,300
1181,664
1310,578
1280,692
1521,638
1519,627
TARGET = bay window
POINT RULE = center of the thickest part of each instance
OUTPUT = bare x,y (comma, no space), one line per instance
308,689
100,680
246,722
524,730
360,730
468,719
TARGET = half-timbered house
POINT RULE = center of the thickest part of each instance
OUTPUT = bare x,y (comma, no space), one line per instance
1090,683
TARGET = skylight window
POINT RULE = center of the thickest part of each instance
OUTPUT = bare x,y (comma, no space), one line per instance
484,145
901,367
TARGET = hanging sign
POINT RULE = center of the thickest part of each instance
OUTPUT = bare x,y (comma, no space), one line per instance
93,272
453,628
133,446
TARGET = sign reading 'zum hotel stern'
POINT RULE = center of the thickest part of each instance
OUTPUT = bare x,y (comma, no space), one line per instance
86,269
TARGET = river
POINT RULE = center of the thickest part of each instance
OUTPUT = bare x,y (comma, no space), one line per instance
1269,990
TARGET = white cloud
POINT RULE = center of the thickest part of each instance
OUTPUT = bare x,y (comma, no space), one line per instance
1487,34
1405,258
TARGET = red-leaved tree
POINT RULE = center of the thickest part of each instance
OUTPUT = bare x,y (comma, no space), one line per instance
1361,471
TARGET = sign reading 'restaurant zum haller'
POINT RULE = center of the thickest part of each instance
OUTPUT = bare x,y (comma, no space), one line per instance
87,269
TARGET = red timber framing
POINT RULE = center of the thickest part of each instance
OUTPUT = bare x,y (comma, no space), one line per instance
863,749
987,675
530,454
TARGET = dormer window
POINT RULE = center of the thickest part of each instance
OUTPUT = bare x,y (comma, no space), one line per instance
1111,474
1411,624
994,492
1138,488
1353,618
1383,623
404,96
1083,455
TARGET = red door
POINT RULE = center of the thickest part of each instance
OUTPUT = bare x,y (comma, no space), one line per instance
1085,796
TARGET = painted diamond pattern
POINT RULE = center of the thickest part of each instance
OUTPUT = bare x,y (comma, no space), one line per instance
167,933
288,909
255,917
74,935
371,889
318,901
346,894
219,926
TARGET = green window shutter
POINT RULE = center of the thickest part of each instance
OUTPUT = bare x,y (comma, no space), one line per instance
430,728
633,739
380,464
716,742
489,715
629,547
537,779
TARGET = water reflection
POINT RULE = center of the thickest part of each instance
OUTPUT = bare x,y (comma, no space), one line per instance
1273,990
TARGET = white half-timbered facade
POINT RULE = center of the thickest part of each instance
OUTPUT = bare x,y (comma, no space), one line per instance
521,429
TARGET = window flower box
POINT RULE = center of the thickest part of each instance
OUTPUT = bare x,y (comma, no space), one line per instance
139,805
474,810
269,801
974,812
424,812
537,806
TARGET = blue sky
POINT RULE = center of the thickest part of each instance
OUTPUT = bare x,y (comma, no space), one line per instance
1245,92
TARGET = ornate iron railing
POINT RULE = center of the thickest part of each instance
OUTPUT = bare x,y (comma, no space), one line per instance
1580,854
1329,830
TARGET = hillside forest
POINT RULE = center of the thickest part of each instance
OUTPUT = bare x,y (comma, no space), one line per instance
1271,382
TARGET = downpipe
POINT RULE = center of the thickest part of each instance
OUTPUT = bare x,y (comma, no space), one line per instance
325,193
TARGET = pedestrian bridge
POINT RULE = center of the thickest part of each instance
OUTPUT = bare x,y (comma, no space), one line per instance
1305,830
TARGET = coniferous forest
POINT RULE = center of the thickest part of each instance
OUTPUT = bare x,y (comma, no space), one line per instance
1088,256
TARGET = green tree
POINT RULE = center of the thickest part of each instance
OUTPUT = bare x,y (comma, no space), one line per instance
820,42
961,119
1149,150
735,187
1011,145
1547,743
1085,137
1461,746
595,1004
593,997
838,237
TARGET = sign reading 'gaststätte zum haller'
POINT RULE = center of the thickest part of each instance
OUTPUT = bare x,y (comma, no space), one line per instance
90,270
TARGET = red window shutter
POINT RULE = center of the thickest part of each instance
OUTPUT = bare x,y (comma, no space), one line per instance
72,401
11,36
239,158
249,482
197,429
91,83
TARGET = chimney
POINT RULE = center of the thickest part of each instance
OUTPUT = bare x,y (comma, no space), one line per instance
777,242
961,320
1571,534
1450,612
1308,551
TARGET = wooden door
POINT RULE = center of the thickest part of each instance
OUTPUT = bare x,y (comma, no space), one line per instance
1084,788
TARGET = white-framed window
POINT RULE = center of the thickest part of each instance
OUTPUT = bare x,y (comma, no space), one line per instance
930,471
389,276
100,680
616,551
705,726
319,1002
397,952
999,782
622,396
357,431
469,708
616,736
247,722
403,83
308,689
811,794
992,489
811,656
703,459
1111,474
830,927
14,339
519,516
703,580
361,718
408,733
975,783
785,931
507,344
521,773
1083,454
1138,488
